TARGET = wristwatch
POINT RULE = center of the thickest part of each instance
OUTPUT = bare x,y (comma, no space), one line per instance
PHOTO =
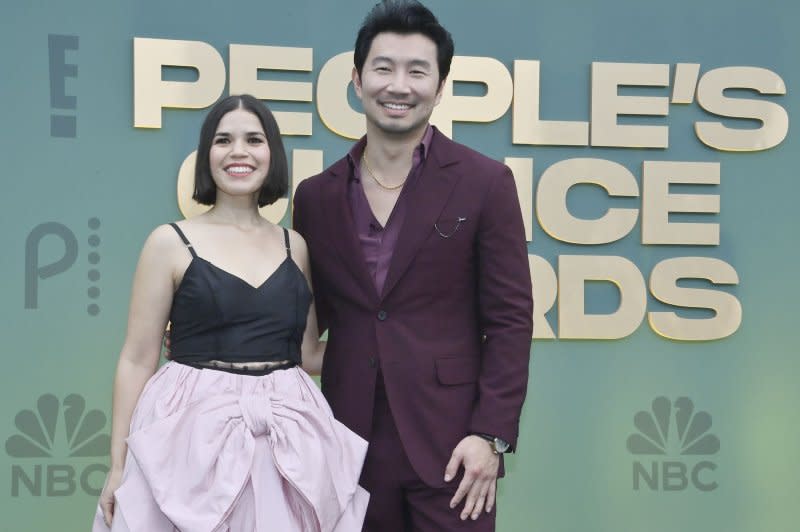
499,445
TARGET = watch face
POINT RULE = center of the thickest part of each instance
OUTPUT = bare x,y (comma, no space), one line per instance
500,445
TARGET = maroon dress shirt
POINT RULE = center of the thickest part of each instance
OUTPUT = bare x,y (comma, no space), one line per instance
377,241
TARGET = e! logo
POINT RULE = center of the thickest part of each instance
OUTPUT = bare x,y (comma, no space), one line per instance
62,125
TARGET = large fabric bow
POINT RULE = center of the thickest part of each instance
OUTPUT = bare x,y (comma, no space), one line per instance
198,460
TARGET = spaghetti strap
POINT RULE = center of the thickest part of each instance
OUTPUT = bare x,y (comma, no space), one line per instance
183,237
286,238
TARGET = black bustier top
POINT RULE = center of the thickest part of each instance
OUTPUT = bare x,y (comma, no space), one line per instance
216,315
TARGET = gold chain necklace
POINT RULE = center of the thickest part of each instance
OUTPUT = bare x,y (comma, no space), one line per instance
378,181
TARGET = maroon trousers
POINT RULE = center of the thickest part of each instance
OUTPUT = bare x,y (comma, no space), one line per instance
399,500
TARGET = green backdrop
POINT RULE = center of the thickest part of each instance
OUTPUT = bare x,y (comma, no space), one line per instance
82,188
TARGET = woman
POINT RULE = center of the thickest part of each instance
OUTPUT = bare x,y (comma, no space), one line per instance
230,434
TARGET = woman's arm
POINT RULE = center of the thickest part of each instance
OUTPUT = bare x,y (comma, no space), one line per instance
312,349
151,299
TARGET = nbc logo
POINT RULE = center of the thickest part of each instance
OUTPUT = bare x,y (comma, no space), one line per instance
55,431
673,429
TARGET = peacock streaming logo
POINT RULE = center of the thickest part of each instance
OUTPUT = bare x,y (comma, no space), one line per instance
53,239
674,430
57,448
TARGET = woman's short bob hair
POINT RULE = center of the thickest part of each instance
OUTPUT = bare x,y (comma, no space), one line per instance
277,182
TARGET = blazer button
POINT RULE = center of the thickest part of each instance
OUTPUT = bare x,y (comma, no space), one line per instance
382,315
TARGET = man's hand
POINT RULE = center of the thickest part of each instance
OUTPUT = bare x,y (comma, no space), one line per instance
480,475
167,345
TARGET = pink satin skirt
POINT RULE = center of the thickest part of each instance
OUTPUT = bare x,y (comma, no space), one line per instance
215,451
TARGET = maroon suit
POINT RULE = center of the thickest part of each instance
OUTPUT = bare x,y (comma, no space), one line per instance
451,330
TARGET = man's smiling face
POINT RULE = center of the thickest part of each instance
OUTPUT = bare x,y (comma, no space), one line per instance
399,83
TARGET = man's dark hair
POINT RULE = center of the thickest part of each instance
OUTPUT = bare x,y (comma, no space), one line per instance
277,182
404,17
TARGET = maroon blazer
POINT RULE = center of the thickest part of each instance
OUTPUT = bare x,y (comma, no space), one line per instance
451,331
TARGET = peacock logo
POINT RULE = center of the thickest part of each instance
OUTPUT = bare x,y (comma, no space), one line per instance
673,429
52,432
690,427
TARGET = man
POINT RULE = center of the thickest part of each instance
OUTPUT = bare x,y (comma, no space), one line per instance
420,273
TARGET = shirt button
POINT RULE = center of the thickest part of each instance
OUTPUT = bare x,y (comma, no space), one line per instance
382,315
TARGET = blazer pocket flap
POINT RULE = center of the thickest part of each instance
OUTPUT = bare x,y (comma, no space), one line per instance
457,370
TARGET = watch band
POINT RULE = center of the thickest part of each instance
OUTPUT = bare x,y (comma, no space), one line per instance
499,445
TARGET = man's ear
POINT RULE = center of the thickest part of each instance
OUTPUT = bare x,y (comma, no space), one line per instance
439,91
356,82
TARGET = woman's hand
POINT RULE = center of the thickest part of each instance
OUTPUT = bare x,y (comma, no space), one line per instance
113,480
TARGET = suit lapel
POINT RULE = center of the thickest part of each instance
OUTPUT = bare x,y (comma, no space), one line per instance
342,229
424,205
